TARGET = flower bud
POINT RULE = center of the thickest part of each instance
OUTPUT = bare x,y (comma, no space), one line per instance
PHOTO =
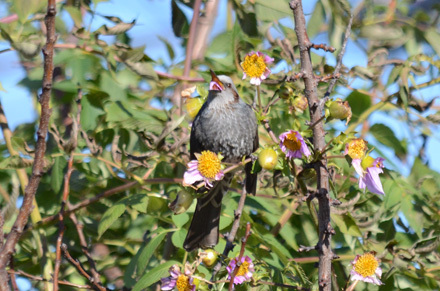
300,103
268,159
182,202
339,109
285,92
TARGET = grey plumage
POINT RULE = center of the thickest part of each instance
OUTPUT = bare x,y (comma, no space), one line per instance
225,124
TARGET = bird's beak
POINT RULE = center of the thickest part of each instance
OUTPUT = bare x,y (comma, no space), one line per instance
216,84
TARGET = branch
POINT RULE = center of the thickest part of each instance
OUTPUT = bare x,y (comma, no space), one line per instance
230,239
96,285
82,240
37,278
204,27
243,247
316,110
37,171
339,58
72,146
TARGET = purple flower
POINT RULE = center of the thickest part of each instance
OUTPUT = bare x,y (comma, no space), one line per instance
206,168
255,66
293,144
182,282
368,170
244,272
366,268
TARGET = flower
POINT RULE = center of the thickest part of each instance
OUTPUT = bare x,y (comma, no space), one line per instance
206,168
356,148
369,169
293,144
366,268
177,280
255,66
244,272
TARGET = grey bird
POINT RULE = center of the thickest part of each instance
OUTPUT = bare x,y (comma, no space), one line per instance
225,124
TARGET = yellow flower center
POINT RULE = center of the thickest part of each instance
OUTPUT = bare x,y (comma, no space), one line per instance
357,148
182,283
292,142
366,265
209,164
243,269
254,65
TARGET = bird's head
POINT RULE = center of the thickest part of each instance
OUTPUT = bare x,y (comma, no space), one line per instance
222,86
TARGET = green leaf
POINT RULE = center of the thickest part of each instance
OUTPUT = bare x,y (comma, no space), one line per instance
75,14
57,173
2,88
147,251
181,219
432,36
359,102
15,162
119,28
346,224
413,216
268,10
138,202
386,136
109,217
178,19
25,8
89,114
316,20
152,276
179,237
143,69
248,22
112,88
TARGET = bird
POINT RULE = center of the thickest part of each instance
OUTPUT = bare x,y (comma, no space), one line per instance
224,125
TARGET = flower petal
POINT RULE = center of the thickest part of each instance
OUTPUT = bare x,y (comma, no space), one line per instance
372,180
191,176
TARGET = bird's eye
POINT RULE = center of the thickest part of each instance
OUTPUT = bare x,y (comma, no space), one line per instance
228,84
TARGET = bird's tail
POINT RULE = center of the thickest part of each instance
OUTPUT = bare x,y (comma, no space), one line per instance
204,229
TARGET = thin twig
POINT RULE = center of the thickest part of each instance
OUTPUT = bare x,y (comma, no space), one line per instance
190,46
243,248
108,193
290,287
82,271
66,190
339,58
38,167
13,278
82,240
37,278
269,130
231,236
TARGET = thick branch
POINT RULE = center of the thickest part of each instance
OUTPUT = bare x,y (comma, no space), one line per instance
37,170
316,108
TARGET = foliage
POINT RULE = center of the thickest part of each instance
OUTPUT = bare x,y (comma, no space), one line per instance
133,145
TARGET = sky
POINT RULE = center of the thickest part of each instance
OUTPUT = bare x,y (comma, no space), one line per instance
18,103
